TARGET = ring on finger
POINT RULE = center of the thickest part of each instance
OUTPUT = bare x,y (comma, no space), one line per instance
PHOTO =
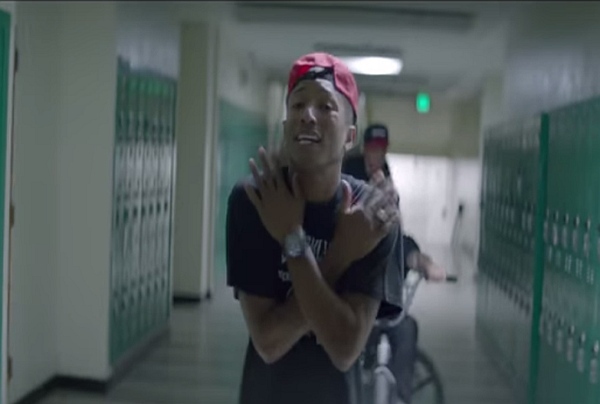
381,214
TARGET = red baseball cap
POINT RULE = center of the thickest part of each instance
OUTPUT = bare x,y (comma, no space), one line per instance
321,65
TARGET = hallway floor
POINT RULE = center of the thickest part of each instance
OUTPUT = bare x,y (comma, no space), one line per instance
200,361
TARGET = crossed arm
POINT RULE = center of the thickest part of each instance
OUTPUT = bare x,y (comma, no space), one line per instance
336,300
340,323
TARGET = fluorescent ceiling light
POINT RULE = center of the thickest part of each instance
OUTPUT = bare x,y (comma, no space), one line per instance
373,65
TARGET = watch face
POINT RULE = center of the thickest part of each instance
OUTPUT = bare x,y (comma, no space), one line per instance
294,244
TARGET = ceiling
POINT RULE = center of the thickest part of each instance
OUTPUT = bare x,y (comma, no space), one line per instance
448,48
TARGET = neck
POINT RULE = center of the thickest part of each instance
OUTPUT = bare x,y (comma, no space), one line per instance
319,186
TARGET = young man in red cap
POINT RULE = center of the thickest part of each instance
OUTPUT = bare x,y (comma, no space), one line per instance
403,338
310,251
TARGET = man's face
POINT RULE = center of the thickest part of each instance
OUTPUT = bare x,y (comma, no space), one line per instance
374,157
317,131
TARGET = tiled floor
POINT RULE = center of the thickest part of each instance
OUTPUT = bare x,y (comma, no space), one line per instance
200,362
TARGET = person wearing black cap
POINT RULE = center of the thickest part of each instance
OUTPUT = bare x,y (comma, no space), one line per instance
375,144
403,339
362,166
309,288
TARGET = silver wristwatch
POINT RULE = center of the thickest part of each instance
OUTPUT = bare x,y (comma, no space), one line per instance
295,244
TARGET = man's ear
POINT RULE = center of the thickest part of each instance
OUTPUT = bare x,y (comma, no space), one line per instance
350,138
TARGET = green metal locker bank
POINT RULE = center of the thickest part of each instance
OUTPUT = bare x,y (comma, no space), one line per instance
143,179
538,295
241,133
569,325
509,283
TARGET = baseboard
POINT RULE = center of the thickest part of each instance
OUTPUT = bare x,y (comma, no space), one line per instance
39,393
120,369
67,383
81,384
178,300
181,299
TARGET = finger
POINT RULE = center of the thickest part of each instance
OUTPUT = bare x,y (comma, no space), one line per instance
388,197
388,188
258,178
391,198
296,187
266,163
386,227
358,196
385,217
377,177
380,218
253,196
277,170
371,198
346,196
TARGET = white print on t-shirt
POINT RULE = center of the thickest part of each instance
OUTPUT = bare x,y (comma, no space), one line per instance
319,249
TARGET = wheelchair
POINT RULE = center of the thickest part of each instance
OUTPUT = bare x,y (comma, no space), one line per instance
379,383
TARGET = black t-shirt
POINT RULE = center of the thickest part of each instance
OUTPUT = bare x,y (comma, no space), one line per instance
354,165
255,265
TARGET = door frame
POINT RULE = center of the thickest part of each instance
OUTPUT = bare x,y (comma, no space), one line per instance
9,9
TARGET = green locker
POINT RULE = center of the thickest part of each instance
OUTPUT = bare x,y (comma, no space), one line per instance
242,132
142,199
543,270
512,214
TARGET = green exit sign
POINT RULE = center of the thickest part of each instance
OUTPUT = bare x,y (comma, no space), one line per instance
423,103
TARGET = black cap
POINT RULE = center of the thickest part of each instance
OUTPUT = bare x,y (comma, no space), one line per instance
376,134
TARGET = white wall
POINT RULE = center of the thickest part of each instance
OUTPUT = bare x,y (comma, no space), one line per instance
86,122
8,6
451,128
63,160
34,275
59,304
424,187
552,57
148,35
466,180
241,82
493,106
196,136
430,189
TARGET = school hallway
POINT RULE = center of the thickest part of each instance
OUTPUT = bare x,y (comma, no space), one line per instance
200,361
124,127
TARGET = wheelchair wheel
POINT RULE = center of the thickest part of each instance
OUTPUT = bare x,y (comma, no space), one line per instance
427,384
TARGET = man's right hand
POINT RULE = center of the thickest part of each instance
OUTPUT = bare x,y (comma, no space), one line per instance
362,226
